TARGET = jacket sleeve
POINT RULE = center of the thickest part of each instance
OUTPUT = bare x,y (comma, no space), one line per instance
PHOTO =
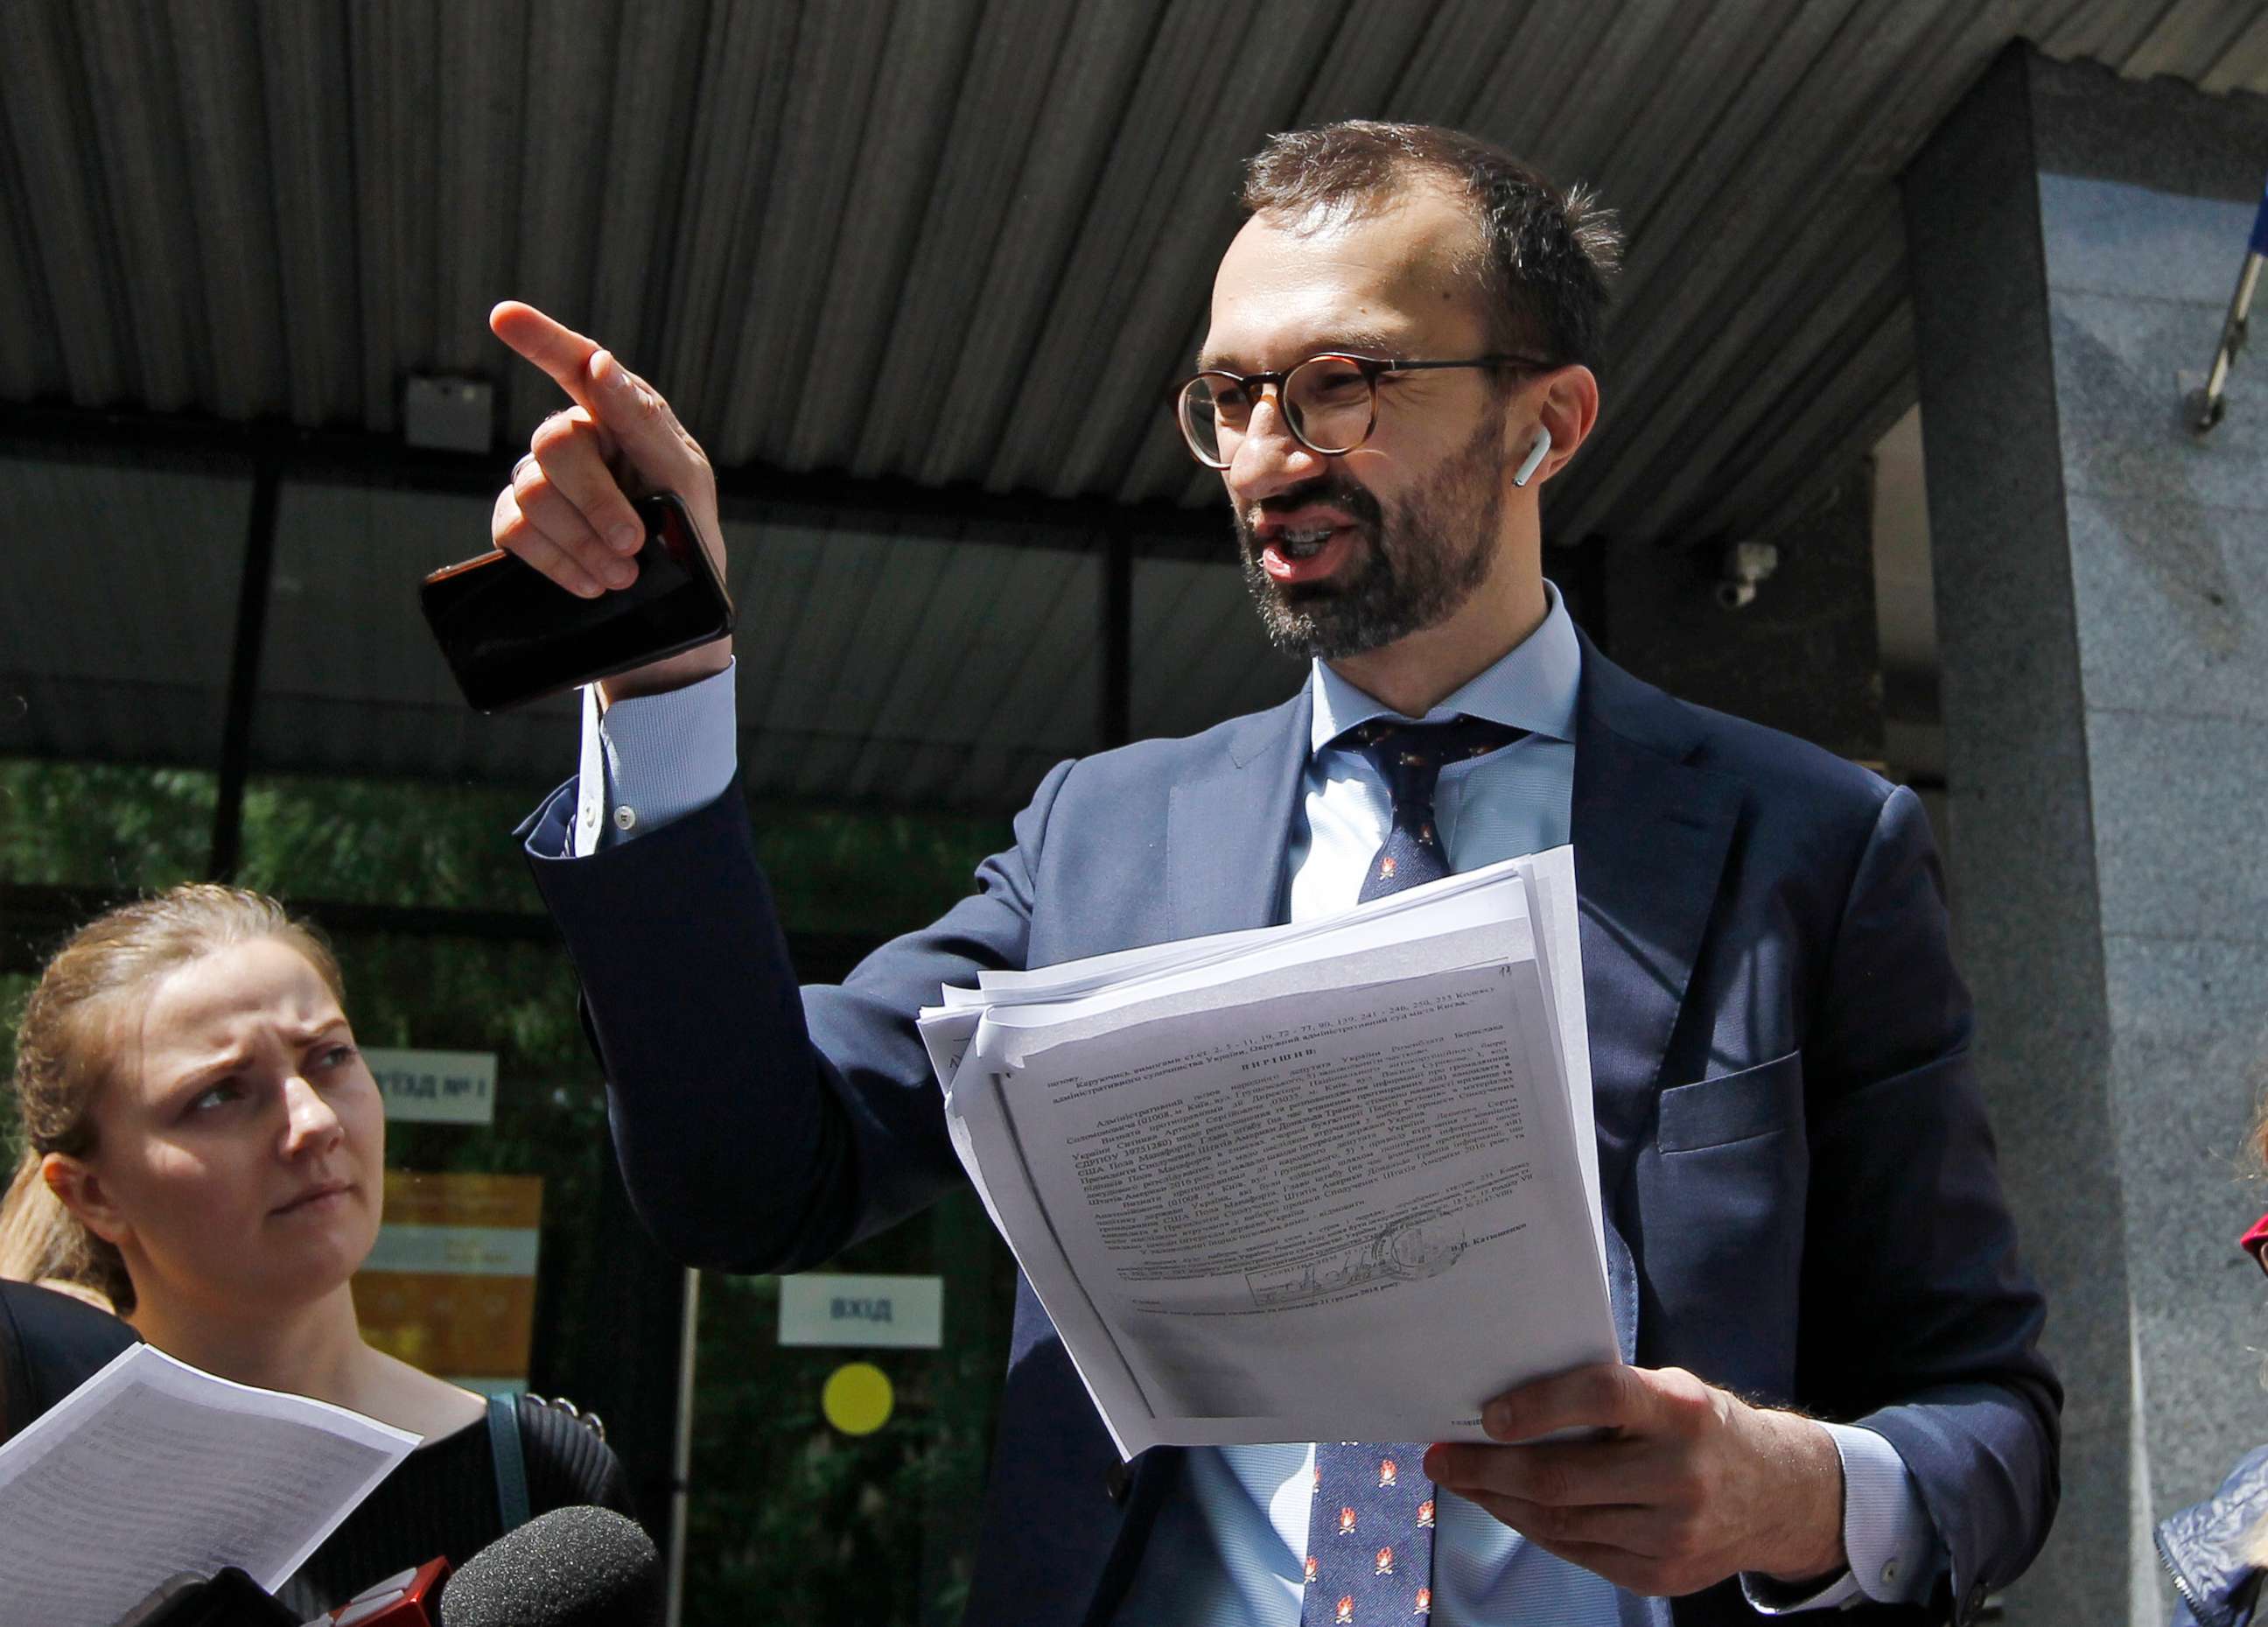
762,1127
1920,1322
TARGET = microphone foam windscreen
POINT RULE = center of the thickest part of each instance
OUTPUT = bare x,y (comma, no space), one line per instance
572,1567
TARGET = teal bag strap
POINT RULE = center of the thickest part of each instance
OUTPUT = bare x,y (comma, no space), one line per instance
510,1466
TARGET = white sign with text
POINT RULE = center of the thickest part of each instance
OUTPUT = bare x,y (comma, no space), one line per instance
436,1087
895,1312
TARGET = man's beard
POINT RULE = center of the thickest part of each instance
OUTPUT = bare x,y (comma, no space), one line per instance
1411,571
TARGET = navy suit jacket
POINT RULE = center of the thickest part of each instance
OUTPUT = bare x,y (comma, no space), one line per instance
1791,1147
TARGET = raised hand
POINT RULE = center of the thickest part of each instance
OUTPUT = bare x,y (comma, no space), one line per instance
567,511
1689,1484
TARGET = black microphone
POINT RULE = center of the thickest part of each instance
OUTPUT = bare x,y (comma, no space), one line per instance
578,1566
573,1567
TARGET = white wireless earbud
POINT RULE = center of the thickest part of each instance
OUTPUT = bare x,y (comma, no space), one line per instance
1538,449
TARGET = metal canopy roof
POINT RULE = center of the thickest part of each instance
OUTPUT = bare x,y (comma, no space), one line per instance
956,243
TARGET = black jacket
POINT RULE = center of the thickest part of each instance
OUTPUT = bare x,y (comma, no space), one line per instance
50,1343
2204,1546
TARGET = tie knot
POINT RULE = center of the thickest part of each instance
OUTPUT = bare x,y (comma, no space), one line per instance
1412,755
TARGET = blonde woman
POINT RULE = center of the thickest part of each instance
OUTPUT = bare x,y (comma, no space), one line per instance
206,1151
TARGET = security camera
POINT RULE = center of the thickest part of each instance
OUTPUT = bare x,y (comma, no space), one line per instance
1746,564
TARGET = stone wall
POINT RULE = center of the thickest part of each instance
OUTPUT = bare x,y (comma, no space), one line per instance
2101,578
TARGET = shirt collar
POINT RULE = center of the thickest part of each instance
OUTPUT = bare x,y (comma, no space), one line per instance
1531,686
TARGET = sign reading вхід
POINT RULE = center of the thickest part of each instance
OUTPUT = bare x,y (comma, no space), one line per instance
887,1312
436,1087
451,1286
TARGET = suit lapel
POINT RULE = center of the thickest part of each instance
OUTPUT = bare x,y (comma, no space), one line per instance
1228,828
1651,831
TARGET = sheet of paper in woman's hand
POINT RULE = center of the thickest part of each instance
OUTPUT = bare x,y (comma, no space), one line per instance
152,1468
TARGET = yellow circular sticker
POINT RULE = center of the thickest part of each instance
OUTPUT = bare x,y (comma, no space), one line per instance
857,1398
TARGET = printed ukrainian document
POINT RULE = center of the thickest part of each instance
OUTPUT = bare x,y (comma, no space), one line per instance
152,1468
1336,1180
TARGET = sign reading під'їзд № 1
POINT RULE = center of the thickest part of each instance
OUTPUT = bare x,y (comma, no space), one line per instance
436,1087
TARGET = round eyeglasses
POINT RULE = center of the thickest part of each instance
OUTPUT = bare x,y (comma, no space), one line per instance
1330,403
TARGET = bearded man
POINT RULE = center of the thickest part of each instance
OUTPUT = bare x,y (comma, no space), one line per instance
1831,1393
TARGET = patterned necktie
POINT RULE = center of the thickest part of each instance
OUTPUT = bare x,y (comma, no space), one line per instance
1370,1525
1411,756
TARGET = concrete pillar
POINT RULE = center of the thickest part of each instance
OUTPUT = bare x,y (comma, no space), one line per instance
2101,578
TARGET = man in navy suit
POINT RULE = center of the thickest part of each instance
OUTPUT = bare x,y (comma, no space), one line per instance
1832,1393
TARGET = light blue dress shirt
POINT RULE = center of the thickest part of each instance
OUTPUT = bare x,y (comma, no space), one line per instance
1228,1546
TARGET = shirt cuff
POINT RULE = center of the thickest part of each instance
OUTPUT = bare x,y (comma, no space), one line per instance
653,758
1886,1535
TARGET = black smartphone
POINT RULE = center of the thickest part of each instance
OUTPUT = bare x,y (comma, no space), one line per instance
511,635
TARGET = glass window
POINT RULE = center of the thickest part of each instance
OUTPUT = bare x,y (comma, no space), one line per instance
427,900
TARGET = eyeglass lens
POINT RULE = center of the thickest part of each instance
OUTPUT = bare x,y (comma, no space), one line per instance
1326,401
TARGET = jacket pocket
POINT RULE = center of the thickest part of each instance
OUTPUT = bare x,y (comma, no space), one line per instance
1732,1107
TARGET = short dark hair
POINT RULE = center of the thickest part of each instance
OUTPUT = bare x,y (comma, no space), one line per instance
1546,255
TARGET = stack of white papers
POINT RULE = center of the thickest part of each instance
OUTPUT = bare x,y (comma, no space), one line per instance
1336,1180
152,1468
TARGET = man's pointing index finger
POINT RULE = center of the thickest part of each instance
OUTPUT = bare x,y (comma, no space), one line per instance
562,354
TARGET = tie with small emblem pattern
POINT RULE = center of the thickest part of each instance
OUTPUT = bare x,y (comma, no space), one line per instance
1370,1524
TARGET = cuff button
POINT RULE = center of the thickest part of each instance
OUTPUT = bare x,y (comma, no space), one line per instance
625,818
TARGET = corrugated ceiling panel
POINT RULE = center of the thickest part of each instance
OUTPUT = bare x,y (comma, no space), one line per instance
1466,46
1542,73
748,62
1691,438
1698,71
2127,33
481,106
1876,375
958,241
311,165
2244,64
30,366
817,410
389,58
1036,255
828,100
566,148
133,111
2188,38
70,261
1039,98
966,241
644,171
1726,251
230,164
1367,56
2103,30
